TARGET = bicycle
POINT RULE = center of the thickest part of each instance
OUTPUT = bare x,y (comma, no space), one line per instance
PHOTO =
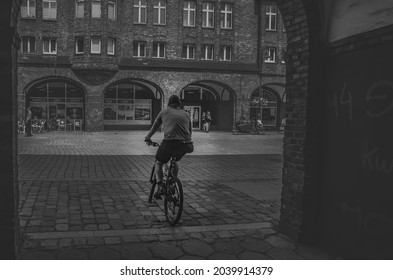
172,190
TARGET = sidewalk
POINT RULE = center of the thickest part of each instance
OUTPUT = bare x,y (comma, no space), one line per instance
84,196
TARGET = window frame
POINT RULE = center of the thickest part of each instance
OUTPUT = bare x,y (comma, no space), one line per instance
50,8
31,12
205,52
28,40
91,44
50,41
267,59
159,44
206,12
94,3
140,7
157,7
270,15
224,16
113,40
114,15
137,47
224,52
191,13
188,51
79,3
78,39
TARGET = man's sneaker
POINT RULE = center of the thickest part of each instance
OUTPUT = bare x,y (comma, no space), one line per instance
159,192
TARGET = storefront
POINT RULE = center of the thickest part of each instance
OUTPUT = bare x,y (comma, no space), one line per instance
56,102
264,106
130,105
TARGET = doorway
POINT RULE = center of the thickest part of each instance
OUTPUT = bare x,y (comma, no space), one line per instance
195,115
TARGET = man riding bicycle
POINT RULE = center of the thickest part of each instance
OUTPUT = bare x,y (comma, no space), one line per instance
177,138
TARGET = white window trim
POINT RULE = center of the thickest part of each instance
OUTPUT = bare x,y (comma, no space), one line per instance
51,17
141,8
227,12
113,42
140,46
99,45
189,11
206,51
30,11
208,11
270,14
161,6
112,2
159,45
190,50
51,40
76,45
225,49
100,13
268,59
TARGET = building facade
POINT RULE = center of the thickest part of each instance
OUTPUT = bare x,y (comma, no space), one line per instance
113,64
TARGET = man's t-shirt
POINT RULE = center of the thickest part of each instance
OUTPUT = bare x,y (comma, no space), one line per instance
176,124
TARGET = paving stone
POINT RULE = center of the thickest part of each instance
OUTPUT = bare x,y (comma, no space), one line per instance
227,246
280,242
222,256
312,253
104,253
283,254
255,245
71,254
112,240
248,255
166,251
38,255
188,257
197,248
136,252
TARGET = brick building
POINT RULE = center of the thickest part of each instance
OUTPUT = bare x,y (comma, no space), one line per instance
113,64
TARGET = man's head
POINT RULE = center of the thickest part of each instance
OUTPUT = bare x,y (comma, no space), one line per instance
174,101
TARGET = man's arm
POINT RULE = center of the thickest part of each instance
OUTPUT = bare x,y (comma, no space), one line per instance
157,123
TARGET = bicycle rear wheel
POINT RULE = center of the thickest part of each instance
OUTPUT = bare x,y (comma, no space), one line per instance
153,186
173,201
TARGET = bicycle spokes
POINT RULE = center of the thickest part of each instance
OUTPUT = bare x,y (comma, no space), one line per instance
173,201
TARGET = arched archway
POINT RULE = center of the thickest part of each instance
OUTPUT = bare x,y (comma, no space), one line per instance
265,105
212,96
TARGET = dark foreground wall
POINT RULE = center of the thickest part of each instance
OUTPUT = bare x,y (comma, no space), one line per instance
357,208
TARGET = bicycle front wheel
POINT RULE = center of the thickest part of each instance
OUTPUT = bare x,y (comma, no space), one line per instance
173,201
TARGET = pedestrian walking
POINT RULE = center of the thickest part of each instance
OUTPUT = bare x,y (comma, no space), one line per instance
203,120
29,115
208,121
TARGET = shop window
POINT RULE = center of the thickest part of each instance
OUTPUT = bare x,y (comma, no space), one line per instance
112,10
28,9
140,10
80,8
189,11
207,52
225,53
226,15
96,9
264,106
49,46
158,50
271,18
159,13
139,49
207,14
28,44
49,9
188,51
95,45
79,45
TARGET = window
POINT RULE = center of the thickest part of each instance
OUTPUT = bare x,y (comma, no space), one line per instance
95,45
189,10
28,9
140,8
111,46
270,55
159,15
207,52
112,9
225,53
96,9
226,16
188,51
158,50
49,9
79,45
80,8
49,46
283,53
271,18
139,49
208,14
28,44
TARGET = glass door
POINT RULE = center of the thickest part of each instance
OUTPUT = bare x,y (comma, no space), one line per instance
195,115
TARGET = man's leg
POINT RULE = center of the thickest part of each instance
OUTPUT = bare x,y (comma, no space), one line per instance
158,171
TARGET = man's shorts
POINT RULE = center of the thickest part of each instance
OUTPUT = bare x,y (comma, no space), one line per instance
172,148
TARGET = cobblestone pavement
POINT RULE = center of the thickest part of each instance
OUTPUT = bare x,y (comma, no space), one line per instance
84,196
